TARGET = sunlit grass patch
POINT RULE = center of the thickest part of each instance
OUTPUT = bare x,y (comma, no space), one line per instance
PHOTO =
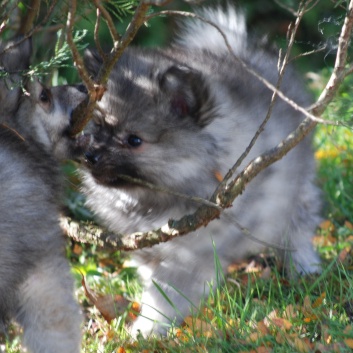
256,310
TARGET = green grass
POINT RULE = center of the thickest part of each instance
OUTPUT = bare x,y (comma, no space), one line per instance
254,310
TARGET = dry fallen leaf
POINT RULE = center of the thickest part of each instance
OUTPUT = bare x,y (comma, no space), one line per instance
261,349
77,249
254,337
331,348
327,338
324,240
282,323
327,225
348,341
290,312
307,310
319,300
110,306
344,253
348,225
182,334
307,304
301,346
262,328
199,327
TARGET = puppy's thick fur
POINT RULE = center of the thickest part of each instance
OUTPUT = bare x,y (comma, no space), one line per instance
36,287
177,118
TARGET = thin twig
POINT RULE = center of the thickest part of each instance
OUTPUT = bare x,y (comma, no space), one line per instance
96,90
110,23
287,8
312,6
137,21
84,109
96,31
307,53
282,68
78,61
253,238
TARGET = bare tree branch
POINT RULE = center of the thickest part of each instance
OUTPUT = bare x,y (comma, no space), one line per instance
97,89
137,21
96,31
27,23
110,23
339,71
273,98
78,61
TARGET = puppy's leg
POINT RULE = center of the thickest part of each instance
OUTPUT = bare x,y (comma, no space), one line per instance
48,311
182,270
303,258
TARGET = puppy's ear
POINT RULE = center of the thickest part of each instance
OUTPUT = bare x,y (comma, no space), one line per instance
15,55
187,92
93,62
15,58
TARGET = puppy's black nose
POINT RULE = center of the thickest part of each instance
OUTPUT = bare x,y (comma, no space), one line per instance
91,157
82,88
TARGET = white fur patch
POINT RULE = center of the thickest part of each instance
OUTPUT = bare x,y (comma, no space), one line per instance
202,35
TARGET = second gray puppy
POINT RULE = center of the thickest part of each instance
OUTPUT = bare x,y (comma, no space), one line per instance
36,287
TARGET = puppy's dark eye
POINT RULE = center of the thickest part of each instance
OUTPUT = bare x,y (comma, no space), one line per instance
45,96
134,141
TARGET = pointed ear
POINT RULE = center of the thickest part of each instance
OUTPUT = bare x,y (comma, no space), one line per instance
14,59
187,90
15,55
93,62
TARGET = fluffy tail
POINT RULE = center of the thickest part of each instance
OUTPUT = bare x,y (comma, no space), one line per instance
198,34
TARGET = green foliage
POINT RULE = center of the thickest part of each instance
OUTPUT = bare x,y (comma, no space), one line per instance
62,55
121,8
334,145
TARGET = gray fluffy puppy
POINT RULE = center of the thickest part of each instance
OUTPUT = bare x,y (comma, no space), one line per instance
36,287
177,118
